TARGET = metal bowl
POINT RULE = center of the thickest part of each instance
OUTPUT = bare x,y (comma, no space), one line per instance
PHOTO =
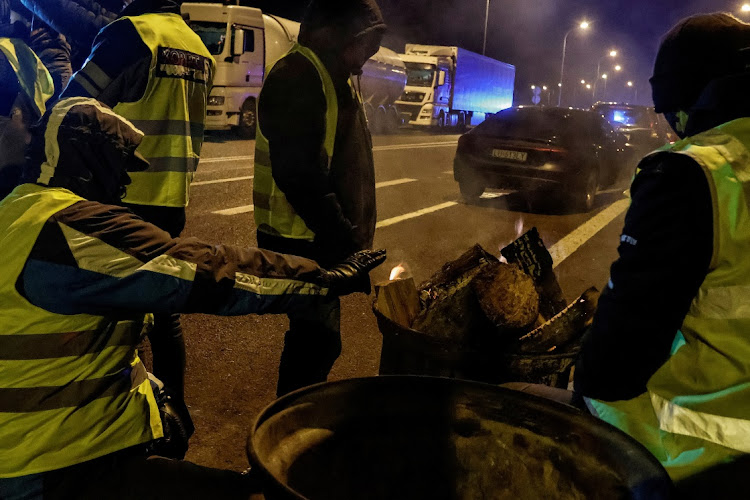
408,437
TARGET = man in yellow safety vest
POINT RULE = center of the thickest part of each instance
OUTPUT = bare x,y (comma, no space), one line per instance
667,359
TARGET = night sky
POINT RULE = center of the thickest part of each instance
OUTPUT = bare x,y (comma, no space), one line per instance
529,34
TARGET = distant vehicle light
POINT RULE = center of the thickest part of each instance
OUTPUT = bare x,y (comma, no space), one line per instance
216,100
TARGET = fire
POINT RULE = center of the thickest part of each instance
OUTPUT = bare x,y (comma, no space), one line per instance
519,227
397,271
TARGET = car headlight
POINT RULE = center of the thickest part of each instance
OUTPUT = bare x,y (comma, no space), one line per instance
216,100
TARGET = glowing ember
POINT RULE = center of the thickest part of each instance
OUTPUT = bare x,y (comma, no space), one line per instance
397,271
519,227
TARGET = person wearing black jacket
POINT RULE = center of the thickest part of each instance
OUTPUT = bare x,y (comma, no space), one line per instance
665,359
334,196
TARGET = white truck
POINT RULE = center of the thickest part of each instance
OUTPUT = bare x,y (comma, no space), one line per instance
451,86
245,42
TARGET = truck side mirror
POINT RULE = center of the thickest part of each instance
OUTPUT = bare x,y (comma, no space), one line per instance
238,46
441,78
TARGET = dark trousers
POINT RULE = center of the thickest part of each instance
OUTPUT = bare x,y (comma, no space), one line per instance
130,475
313,342
167,342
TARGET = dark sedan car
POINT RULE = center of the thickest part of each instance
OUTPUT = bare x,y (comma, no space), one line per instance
644,128
573,152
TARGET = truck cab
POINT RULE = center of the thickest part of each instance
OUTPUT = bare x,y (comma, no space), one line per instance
244,42
426,98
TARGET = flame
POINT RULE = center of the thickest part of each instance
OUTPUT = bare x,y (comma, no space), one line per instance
519,227
397,271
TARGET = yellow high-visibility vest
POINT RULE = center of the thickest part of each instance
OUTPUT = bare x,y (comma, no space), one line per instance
273,213
172,111
696,412
33,76
72,387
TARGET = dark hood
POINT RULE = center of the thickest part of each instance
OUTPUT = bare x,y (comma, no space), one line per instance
83,146
723,100
348,18
139,7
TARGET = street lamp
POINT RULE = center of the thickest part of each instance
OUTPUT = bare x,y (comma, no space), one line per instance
486,19
745,8
618,68
584,25
632,86
612,53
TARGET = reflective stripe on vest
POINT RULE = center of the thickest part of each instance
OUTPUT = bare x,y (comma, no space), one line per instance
172,112
33,76
273,213
72,387
701,395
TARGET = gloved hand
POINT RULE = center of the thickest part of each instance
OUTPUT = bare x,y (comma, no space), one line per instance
353,274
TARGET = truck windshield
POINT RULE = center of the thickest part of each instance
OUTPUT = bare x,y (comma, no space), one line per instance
419,74
213,35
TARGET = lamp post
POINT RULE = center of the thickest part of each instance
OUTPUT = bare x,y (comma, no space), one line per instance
584,25
745,9
486,20
632,86
612,53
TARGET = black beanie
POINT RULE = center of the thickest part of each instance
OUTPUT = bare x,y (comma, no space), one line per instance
352,17
696,51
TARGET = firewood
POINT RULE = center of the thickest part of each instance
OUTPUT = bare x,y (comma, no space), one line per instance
530,253
507,296
565,328
398,300
449,306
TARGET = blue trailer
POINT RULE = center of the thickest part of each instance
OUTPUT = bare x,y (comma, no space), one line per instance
451,86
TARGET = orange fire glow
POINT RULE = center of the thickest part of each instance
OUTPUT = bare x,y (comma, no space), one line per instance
397,271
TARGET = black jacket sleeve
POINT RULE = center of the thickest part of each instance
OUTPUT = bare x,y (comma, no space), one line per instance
664,255
92,258
292,111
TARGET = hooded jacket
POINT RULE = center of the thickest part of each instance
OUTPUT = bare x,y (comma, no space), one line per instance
338,205
664,255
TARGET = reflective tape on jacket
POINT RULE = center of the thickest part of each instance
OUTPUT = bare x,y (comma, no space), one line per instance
699,400
172,112
33,76
273,212
72,387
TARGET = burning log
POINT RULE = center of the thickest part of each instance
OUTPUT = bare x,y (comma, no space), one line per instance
450,309
564,328
507,297
398,300
532,256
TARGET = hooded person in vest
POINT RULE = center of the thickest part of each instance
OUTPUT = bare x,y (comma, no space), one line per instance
25,88
79,274
151,68
667,358
314,186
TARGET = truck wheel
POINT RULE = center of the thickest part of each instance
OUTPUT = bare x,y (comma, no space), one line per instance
471,188
391,121
248,120
441,121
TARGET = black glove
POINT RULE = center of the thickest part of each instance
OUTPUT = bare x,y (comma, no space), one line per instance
353,274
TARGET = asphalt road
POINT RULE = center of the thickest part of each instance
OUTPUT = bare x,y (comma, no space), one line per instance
232,362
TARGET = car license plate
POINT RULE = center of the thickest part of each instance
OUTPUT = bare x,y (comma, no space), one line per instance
505,154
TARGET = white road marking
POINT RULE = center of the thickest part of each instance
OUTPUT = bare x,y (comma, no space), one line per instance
225,158
393,183
573,241
219,181
249,208
393,147
236,210
412,215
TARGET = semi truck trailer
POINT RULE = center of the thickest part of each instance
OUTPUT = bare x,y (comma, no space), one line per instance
246,42
451,86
